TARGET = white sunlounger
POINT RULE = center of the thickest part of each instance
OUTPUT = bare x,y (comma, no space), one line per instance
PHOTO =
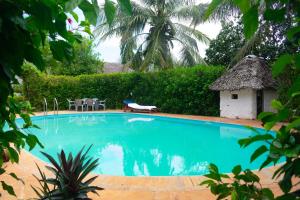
141,108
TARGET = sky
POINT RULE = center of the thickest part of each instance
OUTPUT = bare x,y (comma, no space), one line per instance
109,49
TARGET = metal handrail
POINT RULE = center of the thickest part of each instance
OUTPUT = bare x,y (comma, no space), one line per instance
55,106
45,107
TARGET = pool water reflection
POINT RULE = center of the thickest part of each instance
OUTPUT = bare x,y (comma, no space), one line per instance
143,145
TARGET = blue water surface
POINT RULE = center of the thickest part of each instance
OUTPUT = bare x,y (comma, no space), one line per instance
145,145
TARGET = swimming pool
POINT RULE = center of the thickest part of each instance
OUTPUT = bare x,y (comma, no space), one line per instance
145,145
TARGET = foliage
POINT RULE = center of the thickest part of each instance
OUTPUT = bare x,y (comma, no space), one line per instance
69,174
270,43
24,27
268,34
223,49
285,144
16,136
242,184
85,61
150,33
181,90
110,9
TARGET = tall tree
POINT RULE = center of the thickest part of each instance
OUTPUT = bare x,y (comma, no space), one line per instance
150,33
226,45
269,42
270,32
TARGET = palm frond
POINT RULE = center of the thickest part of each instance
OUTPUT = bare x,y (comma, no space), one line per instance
153,18
193,13
172,5
149,2
135,23
224,11
180,28
136,61
190,57
149,53
187,39
128,46
108,33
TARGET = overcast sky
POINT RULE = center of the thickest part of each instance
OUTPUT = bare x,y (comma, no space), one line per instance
109,49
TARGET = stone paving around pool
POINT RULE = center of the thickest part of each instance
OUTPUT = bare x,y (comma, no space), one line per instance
131,188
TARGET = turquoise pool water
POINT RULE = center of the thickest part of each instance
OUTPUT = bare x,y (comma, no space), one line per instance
146,145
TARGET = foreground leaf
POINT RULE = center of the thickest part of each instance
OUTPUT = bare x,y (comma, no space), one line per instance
125,6
8,188
259,151
280,64
110,11
212,7
89,11
250,20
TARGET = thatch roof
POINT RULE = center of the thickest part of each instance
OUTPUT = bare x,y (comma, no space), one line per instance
251,72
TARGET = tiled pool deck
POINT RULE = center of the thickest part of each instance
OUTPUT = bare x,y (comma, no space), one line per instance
132,188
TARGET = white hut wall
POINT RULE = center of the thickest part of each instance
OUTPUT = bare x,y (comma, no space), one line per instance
238,104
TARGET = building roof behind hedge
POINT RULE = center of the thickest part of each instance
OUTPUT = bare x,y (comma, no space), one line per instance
109,68
251,72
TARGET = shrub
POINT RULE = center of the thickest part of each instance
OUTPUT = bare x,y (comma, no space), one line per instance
69,177
181,90
84,62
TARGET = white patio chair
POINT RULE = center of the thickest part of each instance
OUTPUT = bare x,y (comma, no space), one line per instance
100,103
90,103
79,103
71,103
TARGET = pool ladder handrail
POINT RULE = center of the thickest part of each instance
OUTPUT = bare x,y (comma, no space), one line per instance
55,106
45,106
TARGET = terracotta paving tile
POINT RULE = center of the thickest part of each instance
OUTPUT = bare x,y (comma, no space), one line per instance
162,196
187,182
184,195
120,194
196,180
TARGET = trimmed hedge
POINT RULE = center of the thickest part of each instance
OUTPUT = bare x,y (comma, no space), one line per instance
180,90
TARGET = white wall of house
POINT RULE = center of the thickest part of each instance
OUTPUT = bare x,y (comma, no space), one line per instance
269,95
244,107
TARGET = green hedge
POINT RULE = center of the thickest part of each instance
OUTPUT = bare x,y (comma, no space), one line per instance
180,90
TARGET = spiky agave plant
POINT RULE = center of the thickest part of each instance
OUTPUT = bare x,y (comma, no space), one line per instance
69,177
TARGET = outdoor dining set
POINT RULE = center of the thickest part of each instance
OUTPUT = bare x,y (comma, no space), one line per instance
86,104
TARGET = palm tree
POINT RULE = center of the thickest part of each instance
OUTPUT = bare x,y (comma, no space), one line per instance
155,26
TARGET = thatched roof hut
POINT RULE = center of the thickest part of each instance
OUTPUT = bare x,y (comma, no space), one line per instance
246,89
251,72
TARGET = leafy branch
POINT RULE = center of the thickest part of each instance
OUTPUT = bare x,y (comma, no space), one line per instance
285,144
24,28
